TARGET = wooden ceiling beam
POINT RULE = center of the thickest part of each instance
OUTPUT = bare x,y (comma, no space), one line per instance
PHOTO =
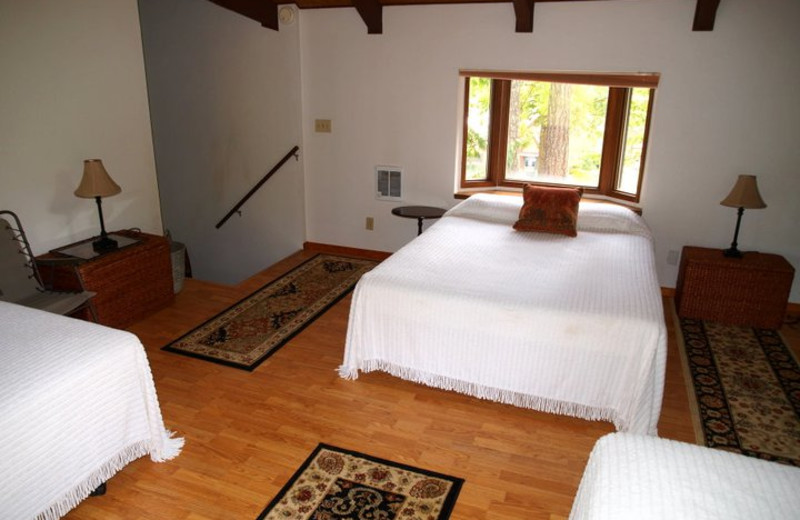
371,12
263,11
524,11
705,14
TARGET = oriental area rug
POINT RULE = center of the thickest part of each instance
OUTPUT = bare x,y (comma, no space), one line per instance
337,484
251,330
744,389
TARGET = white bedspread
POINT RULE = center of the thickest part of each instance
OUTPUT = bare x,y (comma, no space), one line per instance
566,325
634,477
77,404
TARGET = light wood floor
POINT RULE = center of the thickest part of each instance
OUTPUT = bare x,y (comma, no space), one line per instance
247,432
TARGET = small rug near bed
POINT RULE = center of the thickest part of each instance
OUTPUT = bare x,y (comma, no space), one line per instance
339,484
744,389
249,331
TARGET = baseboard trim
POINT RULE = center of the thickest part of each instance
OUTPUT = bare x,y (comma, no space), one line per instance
346,251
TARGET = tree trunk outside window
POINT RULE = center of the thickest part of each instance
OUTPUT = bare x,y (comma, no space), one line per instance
554,140
512,162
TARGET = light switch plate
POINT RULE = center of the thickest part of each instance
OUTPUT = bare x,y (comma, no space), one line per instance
322,125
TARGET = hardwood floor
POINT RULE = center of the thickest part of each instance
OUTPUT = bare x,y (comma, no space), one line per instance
247,432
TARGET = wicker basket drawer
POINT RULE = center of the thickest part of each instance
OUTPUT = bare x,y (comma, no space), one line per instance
130,283
752,290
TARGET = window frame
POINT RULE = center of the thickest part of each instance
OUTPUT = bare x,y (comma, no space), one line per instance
620,86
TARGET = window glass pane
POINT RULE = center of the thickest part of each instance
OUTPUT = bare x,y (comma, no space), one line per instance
628,178
555,132
480,95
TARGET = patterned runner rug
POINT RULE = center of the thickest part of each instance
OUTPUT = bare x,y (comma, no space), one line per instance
251,330
339,484
744,389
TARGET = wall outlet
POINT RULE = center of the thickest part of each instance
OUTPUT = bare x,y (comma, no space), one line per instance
322,125
672,257
370,224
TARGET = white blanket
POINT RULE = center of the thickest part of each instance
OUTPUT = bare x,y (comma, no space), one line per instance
634,477
77,403
566,325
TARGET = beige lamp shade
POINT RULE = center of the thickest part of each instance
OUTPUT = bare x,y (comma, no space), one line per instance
744,194
96,182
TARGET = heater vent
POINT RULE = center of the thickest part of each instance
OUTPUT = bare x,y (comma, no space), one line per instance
389,183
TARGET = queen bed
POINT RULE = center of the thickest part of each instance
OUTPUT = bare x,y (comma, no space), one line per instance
568,325
77,403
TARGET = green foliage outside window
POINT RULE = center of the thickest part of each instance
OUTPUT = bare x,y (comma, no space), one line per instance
554,132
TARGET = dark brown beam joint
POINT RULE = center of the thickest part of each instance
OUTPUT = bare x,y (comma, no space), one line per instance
704,15
524,11
263,11
371,12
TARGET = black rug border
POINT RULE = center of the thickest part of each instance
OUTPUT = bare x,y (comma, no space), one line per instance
447,506
691,367
257,363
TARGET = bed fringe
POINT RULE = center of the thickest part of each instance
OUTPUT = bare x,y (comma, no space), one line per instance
62,506
172,448
540,404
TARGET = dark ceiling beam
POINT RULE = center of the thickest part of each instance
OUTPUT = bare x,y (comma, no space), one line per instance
263,11
524,11
371,12
704,15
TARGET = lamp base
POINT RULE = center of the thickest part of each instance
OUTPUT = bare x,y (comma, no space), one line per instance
732,252
104,244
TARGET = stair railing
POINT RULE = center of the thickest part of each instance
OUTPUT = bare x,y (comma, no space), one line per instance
255,188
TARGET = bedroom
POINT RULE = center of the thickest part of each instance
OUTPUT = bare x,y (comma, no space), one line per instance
721,113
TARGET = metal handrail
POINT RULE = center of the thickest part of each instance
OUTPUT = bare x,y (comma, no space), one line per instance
255,188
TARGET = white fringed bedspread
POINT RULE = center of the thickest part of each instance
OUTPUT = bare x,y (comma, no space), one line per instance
77,403
573,326
634,477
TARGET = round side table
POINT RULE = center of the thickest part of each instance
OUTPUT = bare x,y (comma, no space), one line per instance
420,213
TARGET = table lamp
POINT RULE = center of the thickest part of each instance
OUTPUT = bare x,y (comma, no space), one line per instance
743,195
96,183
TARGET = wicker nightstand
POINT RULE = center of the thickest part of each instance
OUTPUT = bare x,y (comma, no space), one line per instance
752,290
130,282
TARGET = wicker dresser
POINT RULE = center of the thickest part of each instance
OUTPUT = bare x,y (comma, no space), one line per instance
752,290
130,282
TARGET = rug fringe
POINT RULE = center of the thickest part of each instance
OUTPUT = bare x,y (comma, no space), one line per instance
541,404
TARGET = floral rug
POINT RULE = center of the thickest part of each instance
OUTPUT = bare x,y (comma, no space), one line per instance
746,388
337,484
254,328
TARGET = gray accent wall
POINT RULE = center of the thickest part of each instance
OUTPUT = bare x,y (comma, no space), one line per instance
225,107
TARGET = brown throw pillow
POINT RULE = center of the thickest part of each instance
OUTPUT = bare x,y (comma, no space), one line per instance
549,209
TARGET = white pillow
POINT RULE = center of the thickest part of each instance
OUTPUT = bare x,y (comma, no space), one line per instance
610,218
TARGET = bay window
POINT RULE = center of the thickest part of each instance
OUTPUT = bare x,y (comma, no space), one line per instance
573,129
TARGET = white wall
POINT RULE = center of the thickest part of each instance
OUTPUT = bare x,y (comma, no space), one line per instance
727,104
225,98
72,87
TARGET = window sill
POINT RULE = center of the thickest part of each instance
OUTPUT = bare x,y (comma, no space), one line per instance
465,194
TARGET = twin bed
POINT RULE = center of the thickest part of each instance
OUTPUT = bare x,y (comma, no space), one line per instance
635,477
78,403
566,325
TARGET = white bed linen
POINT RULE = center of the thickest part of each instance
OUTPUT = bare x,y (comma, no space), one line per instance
634,477
566,325
77,403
